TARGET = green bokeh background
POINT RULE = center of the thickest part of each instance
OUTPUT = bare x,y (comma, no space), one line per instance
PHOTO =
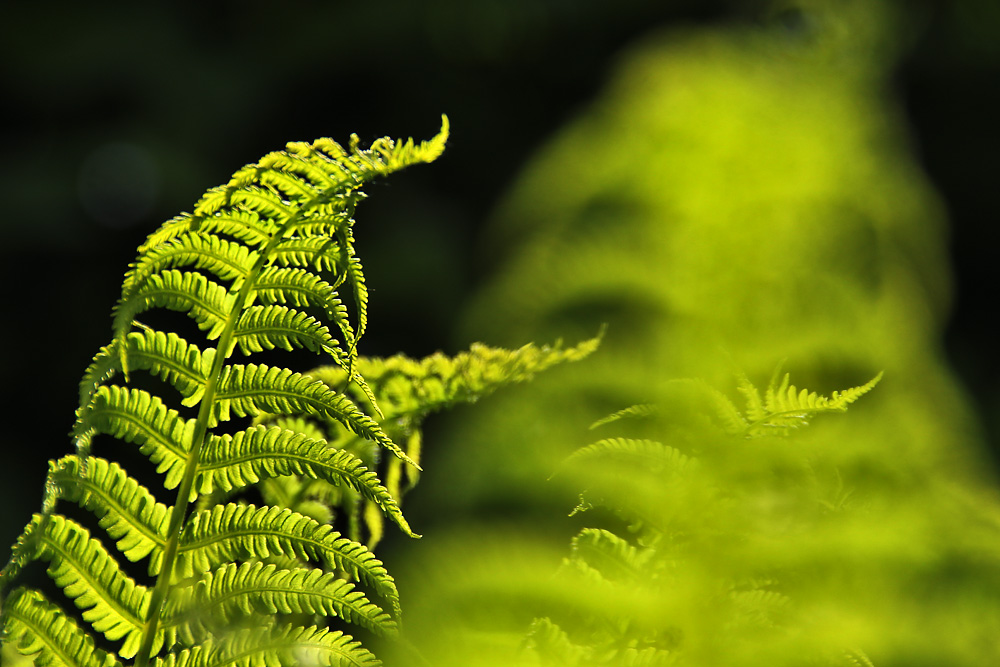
734,198
727,184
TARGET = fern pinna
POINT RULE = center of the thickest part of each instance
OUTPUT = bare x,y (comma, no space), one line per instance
262,263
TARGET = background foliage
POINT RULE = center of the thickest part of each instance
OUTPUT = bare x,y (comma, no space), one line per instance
697,112
732,198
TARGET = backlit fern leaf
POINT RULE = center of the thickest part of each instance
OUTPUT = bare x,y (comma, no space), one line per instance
233,591
230,532
400,392
42,629
260,265
110,600
291,644
126,510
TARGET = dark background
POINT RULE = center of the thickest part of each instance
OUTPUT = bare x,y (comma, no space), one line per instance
119,117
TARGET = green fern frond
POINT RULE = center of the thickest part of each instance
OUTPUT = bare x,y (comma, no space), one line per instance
615,558
411,387
47,634
651,486
647,455
284,645
231,532
244,266
232,591
401,392
785,406
243,225
225,259
169,357
301,288
360,293
320,253
136,416
235,461
254,389
269,327
205,301
552,645
126,510
642,410
110,600
755,410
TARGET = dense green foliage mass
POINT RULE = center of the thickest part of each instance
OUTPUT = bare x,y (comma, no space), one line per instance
734,198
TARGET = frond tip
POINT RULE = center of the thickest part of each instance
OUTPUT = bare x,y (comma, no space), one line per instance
785,406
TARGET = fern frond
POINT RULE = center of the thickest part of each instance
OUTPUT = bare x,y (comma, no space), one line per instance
642,410
785,397
321,253
232,532
251,389
615,558
125,509
403,391
168,231
227,260
242,224
755,410
648,455
104,366
785,406
169,357
269,327
110,600
553,646
414,388
205,301
259,265
41,630
302,288
235,461
283,645
360,289
222,596
139,417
